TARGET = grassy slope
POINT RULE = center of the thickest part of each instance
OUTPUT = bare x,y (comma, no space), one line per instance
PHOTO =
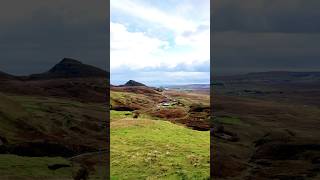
173,151
10,112
270,121
155,149
50,116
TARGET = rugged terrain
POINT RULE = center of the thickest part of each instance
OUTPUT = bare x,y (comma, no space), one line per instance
159,133
53,124
266,126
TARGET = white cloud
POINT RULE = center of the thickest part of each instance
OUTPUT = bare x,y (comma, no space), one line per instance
136,50
151,14
189,46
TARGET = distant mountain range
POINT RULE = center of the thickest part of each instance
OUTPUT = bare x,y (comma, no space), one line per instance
71,68
190,86
272,77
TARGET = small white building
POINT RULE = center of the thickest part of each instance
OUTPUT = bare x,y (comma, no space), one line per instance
166,104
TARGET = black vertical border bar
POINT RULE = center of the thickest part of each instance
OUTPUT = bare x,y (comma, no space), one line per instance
108,88
211,93
214,149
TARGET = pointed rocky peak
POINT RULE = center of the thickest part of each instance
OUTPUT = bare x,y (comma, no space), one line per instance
133,83
71,68
69,61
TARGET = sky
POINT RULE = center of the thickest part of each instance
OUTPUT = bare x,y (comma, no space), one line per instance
265,35
37,34
160,42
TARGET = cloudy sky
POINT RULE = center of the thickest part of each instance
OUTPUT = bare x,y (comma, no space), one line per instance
160,42
265,35
37,34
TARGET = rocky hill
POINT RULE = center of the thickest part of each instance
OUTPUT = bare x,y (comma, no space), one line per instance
69,79
133,83
70,68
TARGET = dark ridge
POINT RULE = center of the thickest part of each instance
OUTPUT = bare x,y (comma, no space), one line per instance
134,83
273,76
70,68
4,75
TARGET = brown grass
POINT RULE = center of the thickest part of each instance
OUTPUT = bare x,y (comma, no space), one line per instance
170,113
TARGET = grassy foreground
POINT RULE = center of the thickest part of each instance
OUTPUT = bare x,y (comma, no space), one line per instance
155,149
15,167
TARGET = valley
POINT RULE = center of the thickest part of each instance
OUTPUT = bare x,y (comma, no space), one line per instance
53,125
159,134
266,126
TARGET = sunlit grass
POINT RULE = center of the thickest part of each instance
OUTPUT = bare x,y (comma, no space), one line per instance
156,149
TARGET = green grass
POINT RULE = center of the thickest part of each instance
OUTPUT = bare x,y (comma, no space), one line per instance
120,114
122,97
10,108
35,167
11,112
128,98
116,115
153,149
18,167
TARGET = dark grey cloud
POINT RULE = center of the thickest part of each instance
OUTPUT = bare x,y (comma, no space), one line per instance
265,35
287,16
37,34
